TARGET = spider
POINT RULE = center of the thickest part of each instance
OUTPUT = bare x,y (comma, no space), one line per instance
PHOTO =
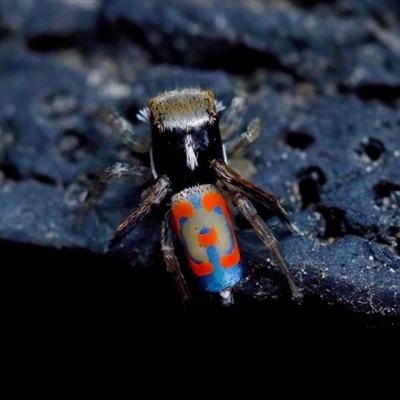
192,179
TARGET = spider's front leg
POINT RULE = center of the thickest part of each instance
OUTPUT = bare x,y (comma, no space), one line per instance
137,142
230,123
240,193
137,175
232,117
235,146
170,259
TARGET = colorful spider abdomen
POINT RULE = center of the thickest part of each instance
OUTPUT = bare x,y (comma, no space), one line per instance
202,221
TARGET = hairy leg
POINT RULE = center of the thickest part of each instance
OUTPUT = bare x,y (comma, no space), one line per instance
135,141
171,261
155,195
240,193
138,175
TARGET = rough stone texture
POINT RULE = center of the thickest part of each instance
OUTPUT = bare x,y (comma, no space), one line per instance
323,77
327,47
333,158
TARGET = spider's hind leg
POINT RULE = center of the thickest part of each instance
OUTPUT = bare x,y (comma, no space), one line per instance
170,259
240,193
232,182
245,206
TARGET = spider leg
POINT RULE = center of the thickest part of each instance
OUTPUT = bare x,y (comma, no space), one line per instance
154,197
137,175
170,259
139,143
238,190
235,146
233,182
232,117
245,206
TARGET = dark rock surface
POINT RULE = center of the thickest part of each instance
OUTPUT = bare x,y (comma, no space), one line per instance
324,79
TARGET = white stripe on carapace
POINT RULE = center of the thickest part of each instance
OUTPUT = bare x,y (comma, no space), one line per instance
191,157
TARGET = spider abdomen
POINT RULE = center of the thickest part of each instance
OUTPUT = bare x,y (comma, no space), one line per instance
202,221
